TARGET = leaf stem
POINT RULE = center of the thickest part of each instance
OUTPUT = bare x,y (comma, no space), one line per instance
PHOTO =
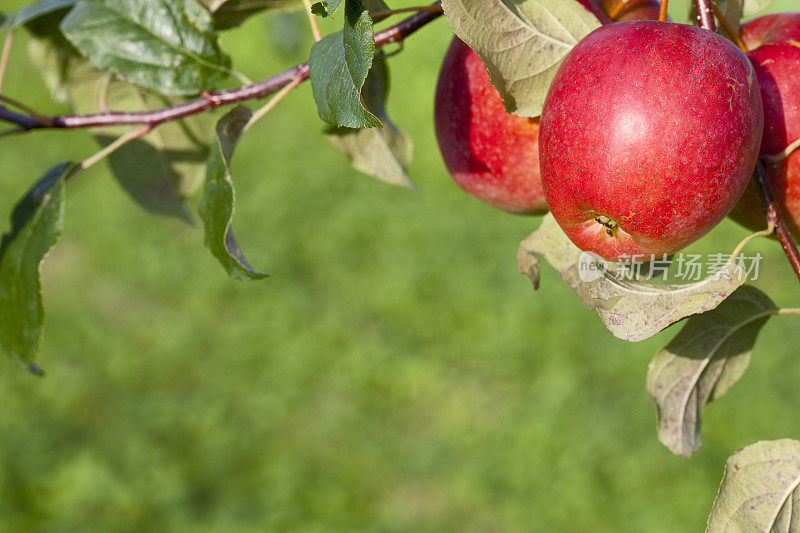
762,233
266,108
312,20
777,158
735,35
5,55
119,142
209,99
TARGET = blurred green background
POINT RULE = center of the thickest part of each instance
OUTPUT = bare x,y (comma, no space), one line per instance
395,374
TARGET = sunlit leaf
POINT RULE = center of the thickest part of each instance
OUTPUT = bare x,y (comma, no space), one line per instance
338,65
166,46
701,363
760,490
522,43
383,153
630,310
219,198
36,224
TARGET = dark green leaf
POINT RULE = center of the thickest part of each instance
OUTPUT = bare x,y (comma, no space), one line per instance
338,66
701,363
760,490
36,224
39,9
383,153
166,46
233,12
521,42
219,198
325,8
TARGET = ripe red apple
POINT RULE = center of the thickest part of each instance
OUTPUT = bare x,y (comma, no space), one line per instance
774,42
490,153
648,137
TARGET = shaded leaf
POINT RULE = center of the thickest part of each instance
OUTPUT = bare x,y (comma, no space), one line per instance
233,12
158,171
219,198
760,490
287,33
165,46
631,310
701,363
31,12
751,7
36,224
338,65
325,8
383,153
521,42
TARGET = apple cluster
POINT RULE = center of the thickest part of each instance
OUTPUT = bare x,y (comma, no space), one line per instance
649,134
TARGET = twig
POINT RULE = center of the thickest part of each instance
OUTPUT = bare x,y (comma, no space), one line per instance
436,8
705,14
312,20
783,154
209,99
5,55
266,108
735,35
763,233
774,217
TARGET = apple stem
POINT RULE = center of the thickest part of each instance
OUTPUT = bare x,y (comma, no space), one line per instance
735,35
617,9
774,217
662,12
705,15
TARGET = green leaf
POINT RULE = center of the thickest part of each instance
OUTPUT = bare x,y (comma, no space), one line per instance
219,198
159,171
760,490
383,153
36,224
701,363
751,7
233,12
31,12
165,46
521,42
630,310
325,8
338,65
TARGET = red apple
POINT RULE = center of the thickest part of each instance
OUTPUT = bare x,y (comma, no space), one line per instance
648,137
774,42
490,153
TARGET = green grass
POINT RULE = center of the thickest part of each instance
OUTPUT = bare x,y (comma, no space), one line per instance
395,374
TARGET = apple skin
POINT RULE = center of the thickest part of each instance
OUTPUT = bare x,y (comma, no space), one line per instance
490,153
774,42
648,137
